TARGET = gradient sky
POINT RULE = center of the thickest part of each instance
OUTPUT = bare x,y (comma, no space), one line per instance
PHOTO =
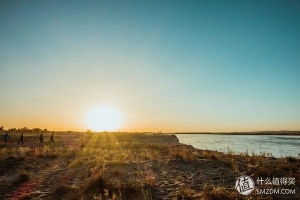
165,65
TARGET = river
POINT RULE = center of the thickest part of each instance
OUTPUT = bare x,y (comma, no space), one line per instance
275,145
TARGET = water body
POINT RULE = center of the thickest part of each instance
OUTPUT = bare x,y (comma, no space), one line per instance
275,145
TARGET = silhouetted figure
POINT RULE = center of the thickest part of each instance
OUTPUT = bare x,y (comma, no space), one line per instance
21,139
51,138
6,137
41,138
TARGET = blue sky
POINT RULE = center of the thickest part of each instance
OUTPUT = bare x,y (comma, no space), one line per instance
165,65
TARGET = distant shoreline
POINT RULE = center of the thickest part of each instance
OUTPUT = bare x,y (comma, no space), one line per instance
292,133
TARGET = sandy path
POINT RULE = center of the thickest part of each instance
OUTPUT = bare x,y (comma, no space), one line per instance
178,176
54,180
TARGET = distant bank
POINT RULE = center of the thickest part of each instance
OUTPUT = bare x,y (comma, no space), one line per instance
246,133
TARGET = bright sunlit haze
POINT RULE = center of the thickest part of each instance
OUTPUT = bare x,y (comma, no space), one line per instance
103,118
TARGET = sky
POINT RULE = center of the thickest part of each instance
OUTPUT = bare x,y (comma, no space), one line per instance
171,66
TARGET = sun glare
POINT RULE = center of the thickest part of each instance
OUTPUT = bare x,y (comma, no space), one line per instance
103,119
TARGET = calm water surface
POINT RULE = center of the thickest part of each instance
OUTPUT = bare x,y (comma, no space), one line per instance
277,145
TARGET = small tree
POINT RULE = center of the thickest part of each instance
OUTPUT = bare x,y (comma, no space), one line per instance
11,130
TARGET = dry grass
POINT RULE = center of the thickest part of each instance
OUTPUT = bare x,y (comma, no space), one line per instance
23,176
107,154
100,186
218,193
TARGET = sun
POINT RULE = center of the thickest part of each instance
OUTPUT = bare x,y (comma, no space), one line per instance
104,118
